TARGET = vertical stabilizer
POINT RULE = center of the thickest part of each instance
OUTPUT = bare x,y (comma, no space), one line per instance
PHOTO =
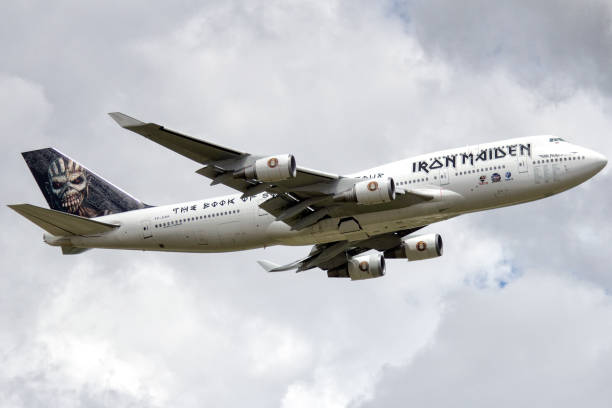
73,189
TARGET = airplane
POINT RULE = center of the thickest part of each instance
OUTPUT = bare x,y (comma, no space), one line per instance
353,222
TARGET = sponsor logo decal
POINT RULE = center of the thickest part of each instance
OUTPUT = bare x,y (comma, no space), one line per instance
273,162
483,179
508,176
363,266
495,178
421,246
372,186
471,158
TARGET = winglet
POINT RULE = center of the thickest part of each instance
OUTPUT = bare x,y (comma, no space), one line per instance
125,121
272,267
267,265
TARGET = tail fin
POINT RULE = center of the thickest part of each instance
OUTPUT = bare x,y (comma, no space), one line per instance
71,188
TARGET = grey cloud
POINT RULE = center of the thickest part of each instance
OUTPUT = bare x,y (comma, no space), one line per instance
556,47
535,343
34,391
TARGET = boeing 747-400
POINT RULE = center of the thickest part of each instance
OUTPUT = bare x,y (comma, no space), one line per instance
353,222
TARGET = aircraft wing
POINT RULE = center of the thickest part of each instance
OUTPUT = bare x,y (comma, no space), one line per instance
335,255
299,201
217,158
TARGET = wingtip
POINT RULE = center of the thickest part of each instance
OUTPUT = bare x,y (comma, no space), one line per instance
267,265
29,152
124,120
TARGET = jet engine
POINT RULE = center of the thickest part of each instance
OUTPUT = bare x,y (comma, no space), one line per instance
361,267
272,168
417,248
374,191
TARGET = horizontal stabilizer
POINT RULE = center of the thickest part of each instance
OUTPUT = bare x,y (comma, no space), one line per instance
60,223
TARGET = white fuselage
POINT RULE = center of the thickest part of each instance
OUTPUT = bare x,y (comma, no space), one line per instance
467,179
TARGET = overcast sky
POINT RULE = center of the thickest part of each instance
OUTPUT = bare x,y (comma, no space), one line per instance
518,311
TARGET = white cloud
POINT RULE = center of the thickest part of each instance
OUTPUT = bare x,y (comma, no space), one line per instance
544,340
343,86
25,107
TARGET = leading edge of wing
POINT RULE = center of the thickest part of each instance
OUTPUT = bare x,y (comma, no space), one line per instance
318,173
195,149
199,150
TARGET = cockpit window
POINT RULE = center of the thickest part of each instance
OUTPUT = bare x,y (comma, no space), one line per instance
556,139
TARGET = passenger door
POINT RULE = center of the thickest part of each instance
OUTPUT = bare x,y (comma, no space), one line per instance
523,164
146,229
444,176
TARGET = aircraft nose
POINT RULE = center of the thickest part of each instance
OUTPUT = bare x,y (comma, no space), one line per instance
595,162
588,165
600,160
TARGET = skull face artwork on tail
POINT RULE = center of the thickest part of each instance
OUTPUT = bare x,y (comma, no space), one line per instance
70,185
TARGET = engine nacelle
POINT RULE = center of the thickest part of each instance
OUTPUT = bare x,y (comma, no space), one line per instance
272,168
366,266
374,191
361,267
417,248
